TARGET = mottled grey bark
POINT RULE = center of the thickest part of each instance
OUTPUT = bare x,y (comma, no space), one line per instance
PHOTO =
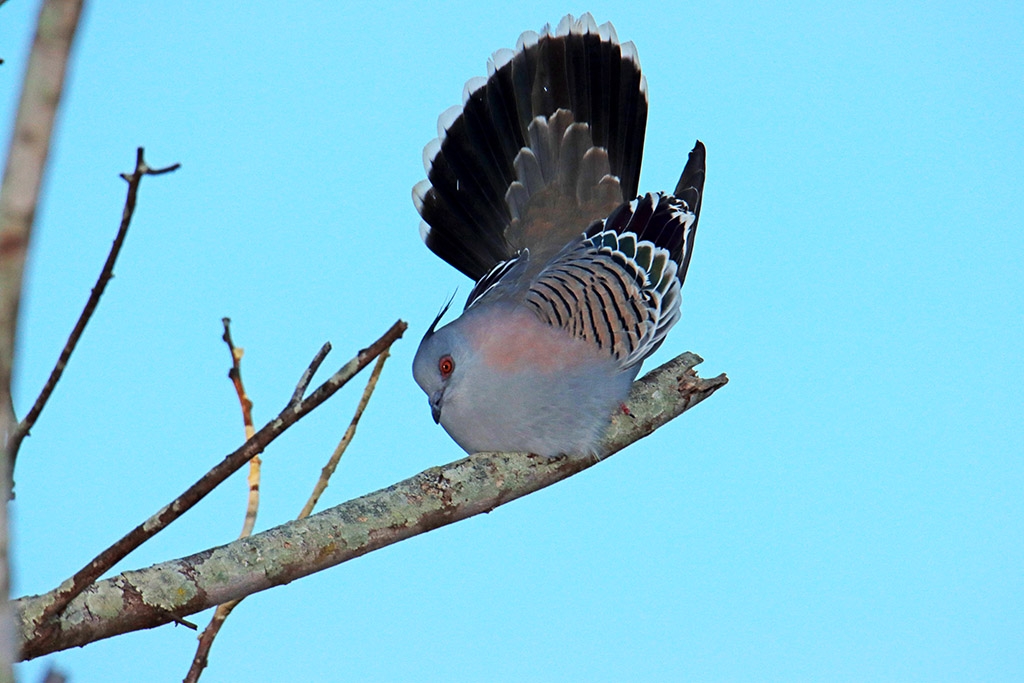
438,496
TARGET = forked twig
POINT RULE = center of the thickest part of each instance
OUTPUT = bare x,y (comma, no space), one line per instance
433,498
41,91
209,634
292,413
133,179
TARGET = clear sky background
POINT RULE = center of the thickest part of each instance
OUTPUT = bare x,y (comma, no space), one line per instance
850,507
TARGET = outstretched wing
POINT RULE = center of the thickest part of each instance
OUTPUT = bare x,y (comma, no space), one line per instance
619,286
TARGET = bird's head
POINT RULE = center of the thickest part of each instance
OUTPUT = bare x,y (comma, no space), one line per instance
437,367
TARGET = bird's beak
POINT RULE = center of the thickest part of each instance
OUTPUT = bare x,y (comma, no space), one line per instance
436,399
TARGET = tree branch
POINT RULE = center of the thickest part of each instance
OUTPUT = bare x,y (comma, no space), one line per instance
48,628
41,91
133,179
26,163
332,463
307,376
438,496
223,611
235,375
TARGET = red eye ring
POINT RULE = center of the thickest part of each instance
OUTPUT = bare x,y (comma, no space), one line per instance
446,365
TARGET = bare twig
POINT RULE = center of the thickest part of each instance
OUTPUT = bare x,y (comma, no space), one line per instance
307,376
206,638
26,162
133,179
346,439
222,612
49,627
183,622
431,499
209,634
235,375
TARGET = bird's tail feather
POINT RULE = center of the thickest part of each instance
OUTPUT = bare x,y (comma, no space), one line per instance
579,67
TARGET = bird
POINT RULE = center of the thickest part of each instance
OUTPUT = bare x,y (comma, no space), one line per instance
531,191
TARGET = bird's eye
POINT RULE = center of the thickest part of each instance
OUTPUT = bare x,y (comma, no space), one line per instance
446,365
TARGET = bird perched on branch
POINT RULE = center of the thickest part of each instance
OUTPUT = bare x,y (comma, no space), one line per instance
531,190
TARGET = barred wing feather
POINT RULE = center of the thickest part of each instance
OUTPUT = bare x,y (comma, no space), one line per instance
617,287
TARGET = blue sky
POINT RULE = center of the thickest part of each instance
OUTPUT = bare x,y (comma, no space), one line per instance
849,507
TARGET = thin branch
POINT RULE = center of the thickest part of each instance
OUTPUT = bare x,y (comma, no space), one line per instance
209,634
202,656
183,622
49,627
438,496
346,439
307,376
133,179
41,93
206,638
235,375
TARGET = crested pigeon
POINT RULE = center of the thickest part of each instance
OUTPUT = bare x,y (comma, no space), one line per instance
531,191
